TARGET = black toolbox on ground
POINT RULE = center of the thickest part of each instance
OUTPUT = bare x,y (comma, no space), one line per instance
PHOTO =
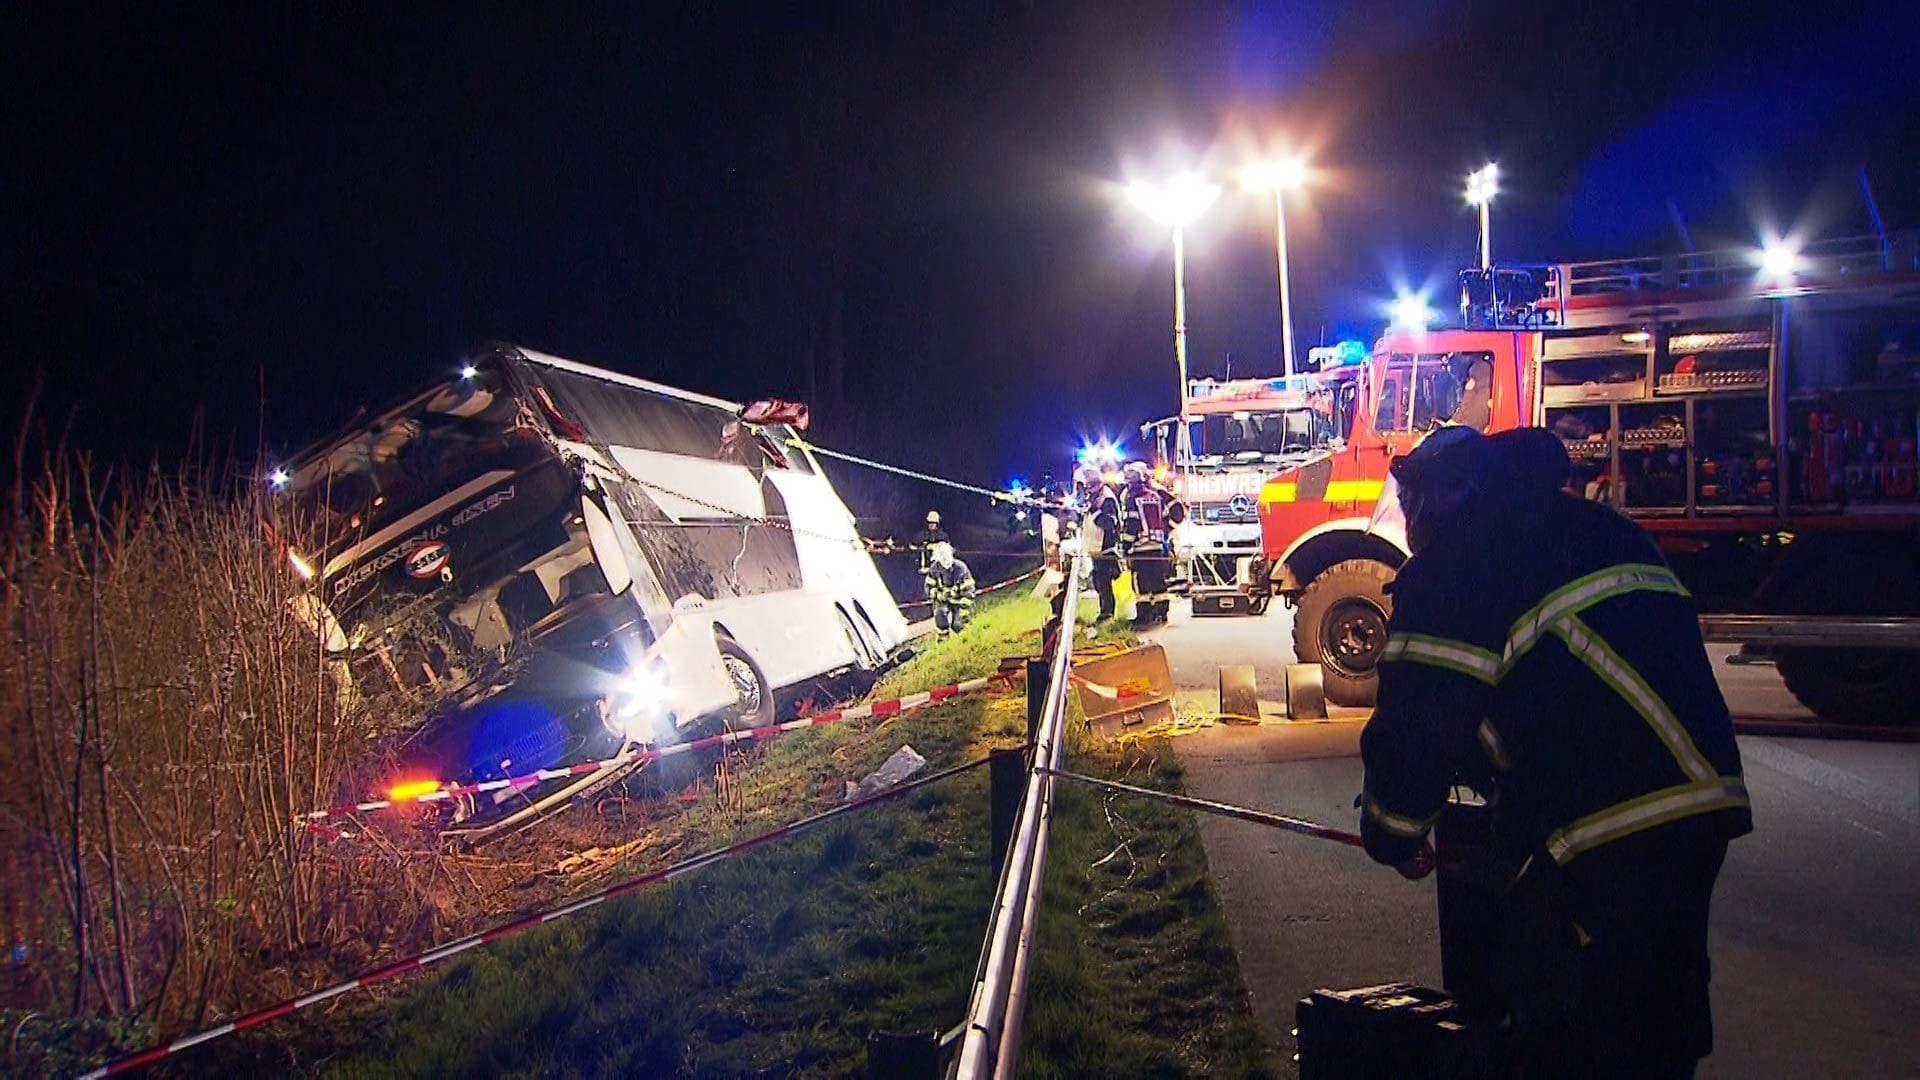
1396,1031
1399,1030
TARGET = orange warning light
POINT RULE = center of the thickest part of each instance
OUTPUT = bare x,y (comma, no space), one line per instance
413,789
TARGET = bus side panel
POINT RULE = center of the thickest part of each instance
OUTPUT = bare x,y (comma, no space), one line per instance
721,541
718,540
793,635
834,560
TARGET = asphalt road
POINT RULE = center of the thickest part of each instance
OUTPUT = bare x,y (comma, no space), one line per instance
1816,925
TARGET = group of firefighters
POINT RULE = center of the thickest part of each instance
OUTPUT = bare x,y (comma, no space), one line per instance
1571,688
1125,528
1129,528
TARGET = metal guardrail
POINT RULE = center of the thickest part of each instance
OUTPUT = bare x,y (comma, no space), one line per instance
1812,631
990,1045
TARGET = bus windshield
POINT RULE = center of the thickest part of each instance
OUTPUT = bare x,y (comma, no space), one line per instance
409,457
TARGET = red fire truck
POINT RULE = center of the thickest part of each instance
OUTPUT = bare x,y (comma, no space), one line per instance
1758,416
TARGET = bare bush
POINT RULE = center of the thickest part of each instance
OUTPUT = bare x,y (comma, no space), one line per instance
167,716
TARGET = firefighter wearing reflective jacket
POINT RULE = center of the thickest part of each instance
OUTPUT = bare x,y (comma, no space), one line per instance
1541,651
1144,506
924,543
1101,508
950,588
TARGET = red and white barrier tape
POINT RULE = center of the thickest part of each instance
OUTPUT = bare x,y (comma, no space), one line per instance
1111,693
506,930
998,585
890,707
995,587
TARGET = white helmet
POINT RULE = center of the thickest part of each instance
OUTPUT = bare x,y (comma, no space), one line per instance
933,517
943,554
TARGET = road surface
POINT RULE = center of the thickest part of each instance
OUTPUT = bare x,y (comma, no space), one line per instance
1816,925
1198,648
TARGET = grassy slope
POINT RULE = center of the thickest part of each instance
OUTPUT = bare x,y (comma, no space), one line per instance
783,961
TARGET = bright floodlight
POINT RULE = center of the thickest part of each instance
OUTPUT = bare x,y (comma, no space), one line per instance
1283,175
1176,205
279,478
1410,311
469,371
1483,184
1780,258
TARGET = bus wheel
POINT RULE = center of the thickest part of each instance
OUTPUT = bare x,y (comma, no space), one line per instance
754,706
1852,686
1340,623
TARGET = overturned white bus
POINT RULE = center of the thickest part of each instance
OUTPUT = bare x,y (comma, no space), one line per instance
578,561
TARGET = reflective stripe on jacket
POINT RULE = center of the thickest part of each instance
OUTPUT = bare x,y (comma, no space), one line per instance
1555,656
952,586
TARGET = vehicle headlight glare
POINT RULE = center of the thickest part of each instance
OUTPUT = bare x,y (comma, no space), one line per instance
636,703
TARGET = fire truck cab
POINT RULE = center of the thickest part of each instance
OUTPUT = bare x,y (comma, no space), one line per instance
1760,421
1240,433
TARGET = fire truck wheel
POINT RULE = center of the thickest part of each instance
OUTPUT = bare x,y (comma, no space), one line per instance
1854,576
1341,624
1852,686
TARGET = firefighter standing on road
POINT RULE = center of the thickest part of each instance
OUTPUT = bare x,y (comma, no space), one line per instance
1541,649
1102,510
950,588
1143,535
924,544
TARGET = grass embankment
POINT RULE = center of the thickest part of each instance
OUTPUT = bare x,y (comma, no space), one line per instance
784,960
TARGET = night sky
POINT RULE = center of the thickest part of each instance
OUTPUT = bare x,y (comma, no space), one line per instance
906,215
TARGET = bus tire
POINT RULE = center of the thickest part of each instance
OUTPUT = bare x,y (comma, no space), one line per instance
1852,686
1340,623
754,707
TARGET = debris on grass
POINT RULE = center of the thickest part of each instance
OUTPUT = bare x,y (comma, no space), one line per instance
902,764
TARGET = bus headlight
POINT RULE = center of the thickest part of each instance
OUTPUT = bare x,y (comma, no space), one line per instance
638,701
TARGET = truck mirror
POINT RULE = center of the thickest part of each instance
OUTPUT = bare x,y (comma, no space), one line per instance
606,546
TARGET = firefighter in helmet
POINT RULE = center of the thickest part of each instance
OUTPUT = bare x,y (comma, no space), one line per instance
1100,529
950,588
924,543
1144,525
1542,651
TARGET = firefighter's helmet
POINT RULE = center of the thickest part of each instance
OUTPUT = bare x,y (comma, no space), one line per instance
933,519
1137,473
1087,476
1444,450
1452,474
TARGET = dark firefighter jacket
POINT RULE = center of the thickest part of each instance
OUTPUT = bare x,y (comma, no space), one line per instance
924,542
1143,521
1106,518
951,587
1552,655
